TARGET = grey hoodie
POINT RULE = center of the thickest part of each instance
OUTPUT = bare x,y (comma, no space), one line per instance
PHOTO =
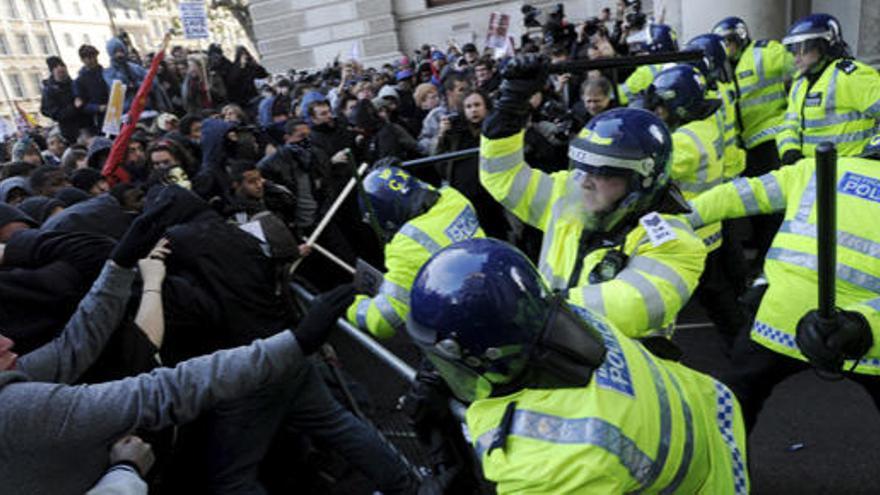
55,438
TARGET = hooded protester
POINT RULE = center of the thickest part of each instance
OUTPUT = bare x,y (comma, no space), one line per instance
245,70
211,308
41,208
102,215
58,100
219,72
43,275
132,75
98,152
14,190
27,150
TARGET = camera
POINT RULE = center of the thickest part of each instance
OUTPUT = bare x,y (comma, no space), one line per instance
594,26
567,124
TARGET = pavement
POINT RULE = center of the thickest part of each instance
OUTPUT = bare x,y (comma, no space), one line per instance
813,436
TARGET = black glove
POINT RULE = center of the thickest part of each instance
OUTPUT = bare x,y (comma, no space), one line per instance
427,401
791,156
316,325
523,77
143,234
827,342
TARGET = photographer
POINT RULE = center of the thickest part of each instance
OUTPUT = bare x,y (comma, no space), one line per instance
462,131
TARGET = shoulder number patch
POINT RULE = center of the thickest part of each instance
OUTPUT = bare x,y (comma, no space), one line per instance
847,66
659,231
464,226
860,186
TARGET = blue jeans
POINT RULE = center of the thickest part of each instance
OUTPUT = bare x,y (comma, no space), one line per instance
239,434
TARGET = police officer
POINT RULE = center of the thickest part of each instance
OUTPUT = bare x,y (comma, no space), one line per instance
661,39
560,401
716,69
761,71
415,221
608,241
787,333
834,97
678,96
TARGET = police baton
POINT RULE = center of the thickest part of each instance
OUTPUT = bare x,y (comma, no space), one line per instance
826,220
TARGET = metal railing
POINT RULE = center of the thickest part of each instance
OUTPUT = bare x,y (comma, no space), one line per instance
387,357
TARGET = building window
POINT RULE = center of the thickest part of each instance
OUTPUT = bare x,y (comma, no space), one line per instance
438,3
87,40
56,4
68,40
17,85
77,9
9,10
24,43
4,45
33,9
37,82
43,41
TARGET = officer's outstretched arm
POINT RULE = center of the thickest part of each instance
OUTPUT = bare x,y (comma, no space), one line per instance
386,313
527,192
656,282
743,197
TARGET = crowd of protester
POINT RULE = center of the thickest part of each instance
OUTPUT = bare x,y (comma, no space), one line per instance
239,148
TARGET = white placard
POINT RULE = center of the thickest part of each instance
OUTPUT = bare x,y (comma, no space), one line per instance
194,20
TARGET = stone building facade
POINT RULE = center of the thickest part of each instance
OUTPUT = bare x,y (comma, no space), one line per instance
305,34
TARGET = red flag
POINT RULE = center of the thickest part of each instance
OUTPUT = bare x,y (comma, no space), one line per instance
112,170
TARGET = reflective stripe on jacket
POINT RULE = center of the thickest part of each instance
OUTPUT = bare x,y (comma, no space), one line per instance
642,425
656,282
450,220
791,265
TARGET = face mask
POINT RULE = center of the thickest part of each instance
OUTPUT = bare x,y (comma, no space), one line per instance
178,177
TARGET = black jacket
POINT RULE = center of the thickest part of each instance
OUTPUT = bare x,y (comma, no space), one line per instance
101,215
42,279
91,87
57,104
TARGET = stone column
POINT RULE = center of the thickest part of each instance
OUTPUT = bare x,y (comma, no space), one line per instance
766,19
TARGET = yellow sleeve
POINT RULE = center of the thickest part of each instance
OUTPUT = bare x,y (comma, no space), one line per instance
744,197
528,193
386,313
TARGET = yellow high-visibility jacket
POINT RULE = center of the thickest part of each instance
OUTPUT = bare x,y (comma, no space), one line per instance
450,220
642,424
791,264
664,256
842,106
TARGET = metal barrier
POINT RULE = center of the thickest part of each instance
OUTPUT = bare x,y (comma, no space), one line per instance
450,156
399,366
